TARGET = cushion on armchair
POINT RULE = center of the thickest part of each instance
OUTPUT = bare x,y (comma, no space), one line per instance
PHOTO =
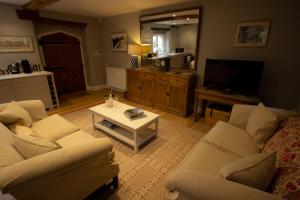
53,127
8,154
21,130
30,146
15,114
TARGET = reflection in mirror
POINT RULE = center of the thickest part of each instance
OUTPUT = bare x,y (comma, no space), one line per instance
171,39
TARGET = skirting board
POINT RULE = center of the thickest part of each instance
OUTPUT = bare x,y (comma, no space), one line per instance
116,89
99,87
96,87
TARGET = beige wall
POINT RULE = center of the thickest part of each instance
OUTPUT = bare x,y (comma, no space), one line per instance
128,23
91,42
10,25
282,68
187,35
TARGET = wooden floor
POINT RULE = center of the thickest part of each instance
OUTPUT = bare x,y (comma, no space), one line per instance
81,100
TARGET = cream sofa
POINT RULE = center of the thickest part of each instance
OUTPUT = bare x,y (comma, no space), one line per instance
197,176
82,164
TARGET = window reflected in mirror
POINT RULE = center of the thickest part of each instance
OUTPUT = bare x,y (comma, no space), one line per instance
171,36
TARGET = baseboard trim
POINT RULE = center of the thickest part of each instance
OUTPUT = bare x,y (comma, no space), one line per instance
116,89
95,87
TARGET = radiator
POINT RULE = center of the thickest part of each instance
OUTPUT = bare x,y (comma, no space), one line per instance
116,78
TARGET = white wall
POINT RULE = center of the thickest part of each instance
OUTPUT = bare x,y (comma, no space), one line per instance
10,25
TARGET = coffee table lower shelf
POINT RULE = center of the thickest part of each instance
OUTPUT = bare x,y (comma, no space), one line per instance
128,137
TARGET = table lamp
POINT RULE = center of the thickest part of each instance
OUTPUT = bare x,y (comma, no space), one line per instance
146,49
134,50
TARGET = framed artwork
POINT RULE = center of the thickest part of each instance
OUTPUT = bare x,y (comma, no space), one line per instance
119,41
252,34
15,44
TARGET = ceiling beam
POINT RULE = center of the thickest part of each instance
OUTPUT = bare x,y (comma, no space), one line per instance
171,18
34,16
38,4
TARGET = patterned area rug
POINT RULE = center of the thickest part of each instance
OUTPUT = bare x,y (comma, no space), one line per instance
142,175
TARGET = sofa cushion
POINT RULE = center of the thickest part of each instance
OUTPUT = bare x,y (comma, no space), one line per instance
261,125
53,127
21,130
232,138
286,142
206,158
75,138
15,114
8,154
256,170
30,146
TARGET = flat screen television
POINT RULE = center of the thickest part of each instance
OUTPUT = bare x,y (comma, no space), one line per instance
233,76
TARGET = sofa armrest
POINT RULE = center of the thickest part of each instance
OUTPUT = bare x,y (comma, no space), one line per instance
195,185
52,164
240,114
35,108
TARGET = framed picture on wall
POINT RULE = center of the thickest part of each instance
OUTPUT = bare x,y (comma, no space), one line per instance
15,44
252,34
119,41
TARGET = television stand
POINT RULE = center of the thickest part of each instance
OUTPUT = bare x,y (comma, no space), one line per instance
228,92
204,95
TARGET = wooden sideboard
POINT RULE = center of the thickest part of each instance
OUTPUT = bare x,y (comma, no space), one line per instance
169,91
203,95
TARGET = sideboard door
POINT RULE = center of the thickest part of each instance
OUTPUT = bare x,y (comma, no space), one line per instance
6,92
147,90
133,88
161,94
32,88
177,98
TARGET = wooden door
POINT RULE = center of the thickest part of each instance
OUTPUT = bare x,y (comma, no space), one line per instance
147,91
177,98
161,97
62,55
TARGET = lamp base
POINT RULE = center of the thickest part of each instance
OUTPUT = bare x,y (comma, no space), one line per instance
134,61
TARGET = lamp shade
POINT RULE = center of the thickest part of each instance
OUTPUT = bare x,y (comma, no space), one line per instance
134,49
146,48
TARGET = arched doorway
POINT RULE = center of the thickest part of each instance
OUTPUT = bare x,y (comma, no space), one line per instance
62,56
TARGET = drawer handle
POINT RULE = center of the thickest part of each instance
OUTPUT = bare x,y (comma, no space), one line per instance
168,94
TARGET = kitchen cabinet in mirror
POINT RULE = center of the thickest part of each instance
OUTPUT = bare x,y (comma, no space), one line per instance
170,39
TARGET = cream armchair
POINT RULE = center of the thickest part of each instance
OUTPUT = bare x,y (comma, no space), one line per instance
80,167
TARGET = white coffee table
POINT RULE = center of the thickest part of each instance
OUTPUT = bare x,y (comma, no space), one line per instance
133,133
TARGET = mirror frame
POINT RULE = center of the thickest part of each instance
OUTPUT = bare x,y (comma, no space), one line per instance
171,11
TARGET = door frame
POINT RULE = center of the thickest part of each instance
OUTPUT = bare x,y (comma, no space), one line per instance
39,36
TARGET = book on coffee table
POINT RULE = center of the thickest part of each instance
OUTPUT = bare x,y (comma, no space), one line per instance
134,113
107,124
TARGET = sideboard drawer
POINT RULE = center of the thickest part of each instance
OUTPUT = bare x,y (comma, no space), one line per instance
162,78
146,75
177,81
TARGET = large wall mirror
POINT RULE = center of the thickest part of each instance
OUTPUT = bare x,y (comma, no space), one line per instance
171,36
